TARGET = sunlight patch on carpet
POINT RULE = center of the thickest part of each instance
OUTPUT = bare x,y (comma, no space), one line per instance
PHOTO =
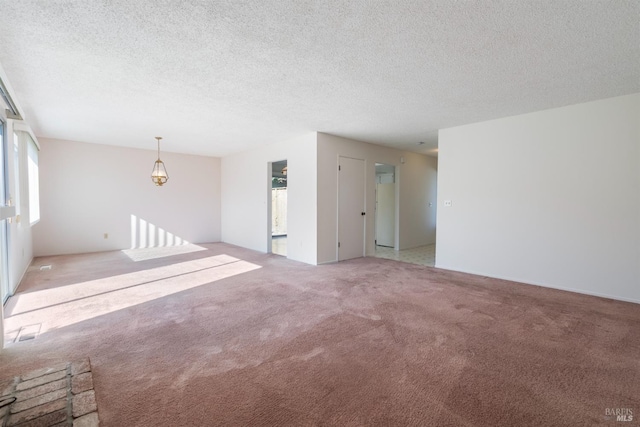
66,305
145,254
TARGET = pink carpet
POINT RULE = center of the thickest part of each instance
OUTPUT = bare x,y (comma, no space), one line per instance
227,336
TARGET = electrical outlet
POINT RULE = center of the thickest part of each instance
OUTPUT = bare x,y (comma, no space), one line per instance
447,203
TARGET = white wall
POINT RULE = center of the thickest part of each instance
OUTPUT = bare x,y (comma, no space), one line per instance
416,187
549,198
245,195
87,190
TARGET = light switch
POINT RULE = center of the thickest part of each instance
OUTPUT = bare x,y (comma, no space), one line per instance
447,203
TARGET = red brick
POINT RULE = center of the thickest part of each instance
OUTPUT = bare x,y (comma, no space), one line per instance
89,420
84,403
58,418
44,371
6,385
48,420
36,412
38,400
80,366
45,388
41,380
82,382
4,411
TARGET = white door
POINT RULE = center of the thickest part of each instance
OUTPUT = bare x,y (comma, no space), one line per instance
351,208
386,215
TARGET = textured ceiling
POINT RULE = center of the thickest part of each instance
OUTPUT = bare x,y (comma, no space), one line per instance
224,76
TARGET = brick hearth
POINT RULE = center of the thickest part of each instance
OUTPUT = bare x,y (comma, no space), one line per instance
61,395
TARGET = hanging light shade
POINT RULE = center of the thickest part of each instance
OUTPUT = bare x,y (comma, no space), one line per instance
159,176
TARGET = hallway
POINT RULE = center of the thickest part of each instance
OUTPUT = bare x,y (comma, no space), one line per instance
422,255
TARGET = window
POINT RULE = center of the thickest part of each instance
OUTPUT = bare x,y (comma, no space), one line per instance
4,188
34,185
16,172
4,241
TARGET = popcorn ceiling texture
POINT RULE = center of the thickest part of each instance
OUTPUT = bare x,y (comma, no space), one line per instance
220,77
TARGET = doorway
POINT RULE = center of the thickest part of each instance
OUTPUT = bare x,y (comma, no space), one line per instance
278,208
385,205
351,208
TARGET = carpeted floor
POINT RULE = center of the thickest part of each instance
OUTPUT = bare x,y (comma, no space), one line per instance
227,336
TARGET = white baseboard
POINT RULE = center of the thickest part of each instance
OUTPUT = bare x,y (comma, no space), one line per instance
544,285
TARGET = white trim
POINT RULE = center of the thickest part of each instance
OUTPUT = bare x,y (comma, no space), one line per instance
22,276
11,93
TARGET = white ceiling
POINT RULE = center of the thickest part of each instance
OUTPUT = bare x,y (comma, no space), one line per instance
224,76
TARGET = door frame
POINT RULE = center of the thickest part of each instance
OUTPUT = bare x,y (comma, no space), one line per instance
269,204
269,213
396,206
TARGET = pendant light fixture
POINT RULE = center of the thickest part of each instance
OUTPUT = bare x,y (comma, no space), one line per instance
159,176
